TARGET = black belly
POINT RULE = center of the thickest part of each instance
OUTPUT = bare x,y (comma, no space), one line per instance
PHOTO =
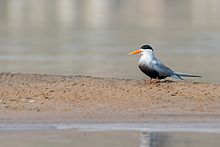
150,72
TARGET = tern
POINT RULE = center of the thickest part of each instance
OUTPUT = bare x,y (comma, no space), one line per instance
153,67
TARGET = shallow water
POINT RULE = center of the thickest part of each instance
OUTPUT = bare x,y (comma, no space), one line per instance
95,37
72,138
118,135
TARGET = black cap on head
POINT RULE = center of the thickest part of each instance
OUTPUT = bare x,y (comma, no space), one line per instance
146,46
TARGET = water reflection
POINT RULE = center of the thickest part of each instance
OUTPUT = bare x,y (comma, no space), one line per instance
146,139
94,37
178,139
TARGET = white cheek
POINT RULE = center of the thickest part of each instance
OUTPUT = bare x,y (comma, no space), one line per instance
146,57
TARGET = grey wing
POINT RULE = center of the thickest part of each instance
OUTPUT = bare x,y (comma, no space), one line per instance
161,68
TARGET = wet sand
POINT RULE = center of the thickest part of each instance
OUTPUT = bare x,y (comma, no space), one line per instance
35,97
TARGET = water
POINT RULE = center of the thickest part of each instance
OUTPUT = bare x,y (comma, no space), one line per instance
94,37
118,135
72,138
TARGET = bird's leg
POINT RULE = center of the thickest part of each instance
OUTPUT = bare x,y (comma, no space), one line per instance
157,80
150,80
153,81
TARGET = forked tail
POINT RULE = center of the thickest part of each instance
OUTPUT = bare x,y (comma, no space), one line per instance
188,75
181,75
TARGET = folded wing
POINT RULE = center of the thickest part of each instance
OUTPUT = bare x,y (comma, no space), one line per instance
163,70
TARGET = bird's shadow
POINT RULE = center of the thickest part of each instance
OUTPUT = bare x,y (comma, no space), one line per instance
161,81
167,81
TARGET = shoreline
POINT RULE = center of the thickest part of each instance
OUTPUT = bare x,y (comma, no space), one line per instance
33,97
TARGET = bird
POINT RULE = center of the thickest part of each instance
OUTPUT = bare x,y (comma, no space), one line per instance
154,68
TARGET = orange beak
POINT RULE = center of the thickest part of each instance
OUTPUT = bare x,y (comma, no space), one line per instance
135,52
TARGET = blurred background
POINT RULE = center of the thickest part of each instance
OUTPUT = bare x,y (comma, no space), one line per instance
94,37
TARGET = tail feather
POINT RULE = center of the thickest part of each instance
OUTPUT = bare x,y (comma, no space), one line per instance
177,76
187,75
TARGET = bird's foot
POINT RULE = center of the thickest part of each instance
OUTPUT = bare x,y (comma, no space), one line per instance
167,81
153,81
